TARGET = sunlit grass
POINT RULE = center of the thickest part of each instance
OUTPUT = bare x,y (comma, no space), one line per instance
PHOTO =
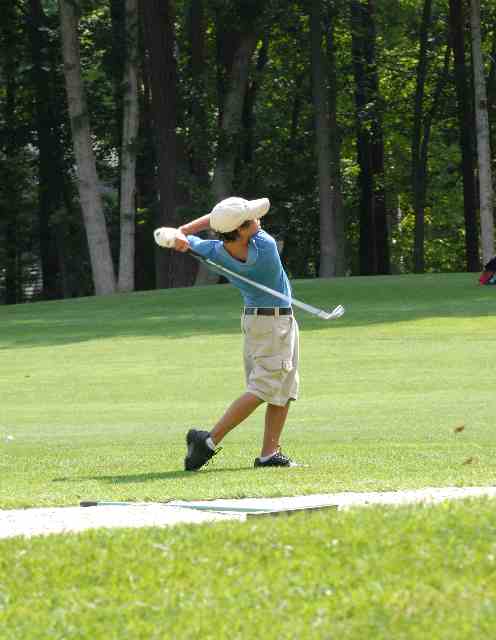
376,573
98,393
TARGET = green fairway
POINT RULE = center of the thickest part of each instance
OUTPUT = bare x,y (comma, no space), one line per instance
375,573
98,393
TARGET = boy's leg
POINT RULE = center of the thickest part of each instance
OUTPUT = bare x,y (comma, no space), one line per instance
275,418
199,448
238,411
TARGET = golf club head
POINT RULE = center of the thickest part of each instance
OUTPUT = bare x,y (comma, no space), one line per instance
337,312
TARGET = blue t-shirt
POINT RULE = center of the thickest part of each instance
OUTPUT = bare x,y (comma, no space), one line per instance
262,265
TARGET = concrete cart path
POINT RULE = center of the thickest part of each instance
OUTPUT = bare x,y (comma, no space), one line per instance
46,520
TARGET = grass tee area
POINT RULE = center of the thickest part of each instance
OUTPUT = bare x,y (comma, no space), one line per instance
97,395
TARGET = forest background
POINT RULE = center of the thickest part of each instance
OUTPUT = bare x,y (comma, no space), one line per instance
368,123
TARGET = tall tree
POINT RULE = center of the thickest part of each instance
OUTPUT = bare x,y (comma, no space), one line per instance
146,180
466,126
374,235
172,269
232,101
418,169
51,173
130,122
235,48
423,117
88,183
491,93
483,138
248,115
335,140
11,190
197,103
328,241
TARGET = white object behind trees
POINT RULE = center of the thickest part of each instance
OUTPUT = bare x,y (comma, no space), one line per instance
483,143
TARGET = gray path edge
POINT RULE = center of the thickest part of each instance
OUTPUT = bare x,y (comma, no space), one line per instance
59,520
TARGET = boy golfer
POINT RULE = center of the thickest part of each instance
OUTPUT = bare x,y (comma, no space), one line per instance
269,328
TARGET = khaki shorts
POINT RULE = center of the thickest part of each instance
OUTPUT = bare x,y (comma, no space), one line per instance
271,351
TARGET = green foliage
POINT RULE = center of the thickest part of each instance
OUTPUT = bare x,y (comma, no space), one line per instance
275,150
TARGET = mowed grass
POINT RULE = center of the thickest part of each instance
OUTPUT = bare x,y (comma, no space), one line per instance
371,573
96,394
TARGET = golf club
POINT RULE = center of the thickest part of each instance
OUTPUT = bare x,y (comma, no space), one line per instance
337,312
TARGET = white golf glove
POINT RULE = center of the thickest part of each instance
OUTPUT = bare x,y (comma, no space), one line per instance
165,237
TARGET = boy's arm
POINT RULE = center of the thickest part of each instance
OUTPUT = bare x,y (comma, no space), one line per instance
195,226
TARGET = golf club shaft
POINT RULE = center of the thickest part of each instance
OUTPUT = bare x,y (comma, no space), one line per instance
290,301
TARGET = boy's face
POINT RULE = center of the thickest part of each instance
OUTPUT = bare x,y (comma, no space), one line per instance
251,229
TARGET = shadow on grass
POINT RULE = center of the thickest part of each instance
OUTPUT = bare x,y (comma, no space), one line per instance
145,477
182,313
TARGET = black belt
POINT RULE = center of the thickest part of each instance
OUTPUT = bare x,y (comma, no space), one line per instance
268,311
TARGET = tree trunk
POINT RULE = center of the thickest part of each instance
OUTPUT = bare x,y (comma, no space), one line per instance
335,146
172,269
230,126
483,138
328,249
421,137
418,176
8,150
50,171
374,241
158,32
381,237
146,181
466,126
248,115
491,94
229,130
128,153
88,184
199,142
367,250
